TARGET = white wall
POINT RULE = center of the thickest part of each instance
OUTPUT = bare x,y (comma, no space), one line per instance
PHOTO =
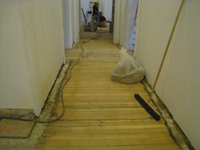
71,23
178,85
31,52
75,19
15,83
124,22
106,8
68,24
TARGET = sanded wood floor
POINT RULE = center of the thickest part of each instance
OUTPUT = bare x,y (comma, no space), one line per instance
102,114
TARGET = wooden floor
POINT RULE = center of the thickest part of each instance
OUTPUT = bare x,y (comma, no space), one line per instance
102,114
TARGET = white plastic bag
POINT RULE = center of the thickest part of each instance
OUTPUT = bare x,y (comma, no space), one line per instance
127,69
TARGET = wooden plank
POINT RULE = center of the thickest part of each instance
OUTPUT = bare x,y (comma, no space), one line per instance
100,102
94,105
75,80
105,50
104,142
125,147
88,56
103,91
91,79
88,106
94,133
96,63
106,123
102,83
137,147
99,105
100,86
104,113
92,70
106,97
143,127
93,86
102,94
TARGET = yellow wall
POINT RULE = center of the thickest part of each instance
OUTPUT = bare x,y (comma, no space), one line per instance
179,83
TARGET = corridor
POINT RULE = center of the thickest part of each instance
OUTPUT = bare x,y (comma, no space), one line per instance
101,114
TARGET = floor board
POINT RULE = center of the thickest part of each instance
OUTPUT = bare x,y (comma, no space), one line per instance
101,114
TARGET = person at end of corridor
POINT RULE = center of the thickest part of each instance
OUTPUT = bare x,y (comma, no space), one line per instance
95,11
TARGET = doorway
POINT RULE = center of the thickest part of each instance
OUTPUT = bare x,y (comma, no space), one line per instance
105,12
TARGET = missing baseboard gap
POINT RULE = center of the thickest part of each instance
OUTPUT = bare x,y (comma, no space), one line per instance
48,108
119,46
175,131
74,45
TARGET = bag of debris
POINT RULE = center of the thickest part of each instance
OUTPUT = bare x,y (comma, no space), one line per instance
127,70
